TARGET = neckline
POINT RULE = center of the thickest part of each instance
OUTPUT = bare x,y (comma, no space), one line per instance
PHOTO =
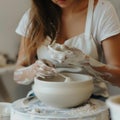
73,37
89,13
85,23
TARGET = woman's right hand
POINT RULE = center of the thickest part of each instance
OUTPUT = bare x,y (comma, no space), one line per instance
41,68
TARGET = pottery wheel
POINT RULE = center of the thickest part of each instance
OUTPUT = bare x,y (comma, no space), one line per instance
91,110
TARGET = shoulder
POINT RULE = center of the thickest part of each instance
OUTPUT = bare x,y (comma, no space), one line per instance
105,20
26,13
22,26
104,5
25,16
104,10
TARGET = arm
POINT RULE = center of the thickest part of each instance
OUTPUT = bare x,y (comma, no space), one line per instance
110,71
21,54
22,73
111,48
25,75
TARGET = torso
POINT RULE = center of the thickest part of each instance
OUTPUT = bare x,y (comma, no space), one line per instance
73,34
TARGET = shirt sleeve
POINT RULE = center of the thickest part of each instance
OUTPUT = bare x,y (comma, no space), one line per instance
109,24
22,26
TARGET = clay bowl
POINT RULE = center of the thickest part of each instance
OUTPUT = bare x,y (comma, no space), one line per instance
57,92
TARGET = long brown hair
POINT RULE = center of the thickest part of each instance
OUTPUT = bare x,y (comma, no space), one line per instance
44,21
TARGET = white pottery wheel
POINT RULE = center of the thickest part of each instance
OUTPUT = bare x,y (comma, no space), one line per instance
92,110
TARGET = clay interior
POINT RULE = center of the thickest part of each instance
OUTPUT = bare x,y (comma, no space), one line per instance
58,78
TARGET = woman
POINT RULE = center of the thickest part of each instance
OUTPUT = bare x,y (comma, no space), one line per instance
90,27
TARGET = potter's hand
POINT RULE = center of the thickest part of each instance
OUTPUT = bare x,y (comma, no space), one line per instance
76,57
41,68
71,56
44,68
59,53
65,55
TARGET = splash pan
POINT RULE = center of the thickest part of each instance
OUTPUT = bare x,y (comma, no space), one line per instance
93,109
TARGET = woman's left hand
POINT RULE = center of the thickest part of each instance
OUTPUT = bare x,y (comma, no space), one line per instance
66,55
72,56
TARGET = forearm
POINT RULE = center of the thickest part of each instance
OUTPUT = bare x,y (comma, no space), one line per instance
110,73
75,57
41,68
24,75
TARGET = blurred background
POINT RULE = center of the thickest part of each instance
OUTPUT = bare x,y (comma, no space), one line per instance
11,12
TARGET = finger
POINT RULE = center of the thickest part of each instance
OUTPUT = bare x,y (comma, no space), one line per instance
48,63
45,73
51,71
42,65
40,75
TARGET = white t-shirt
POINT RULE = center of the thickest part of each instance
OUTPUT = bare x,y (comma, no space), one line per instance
105,21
